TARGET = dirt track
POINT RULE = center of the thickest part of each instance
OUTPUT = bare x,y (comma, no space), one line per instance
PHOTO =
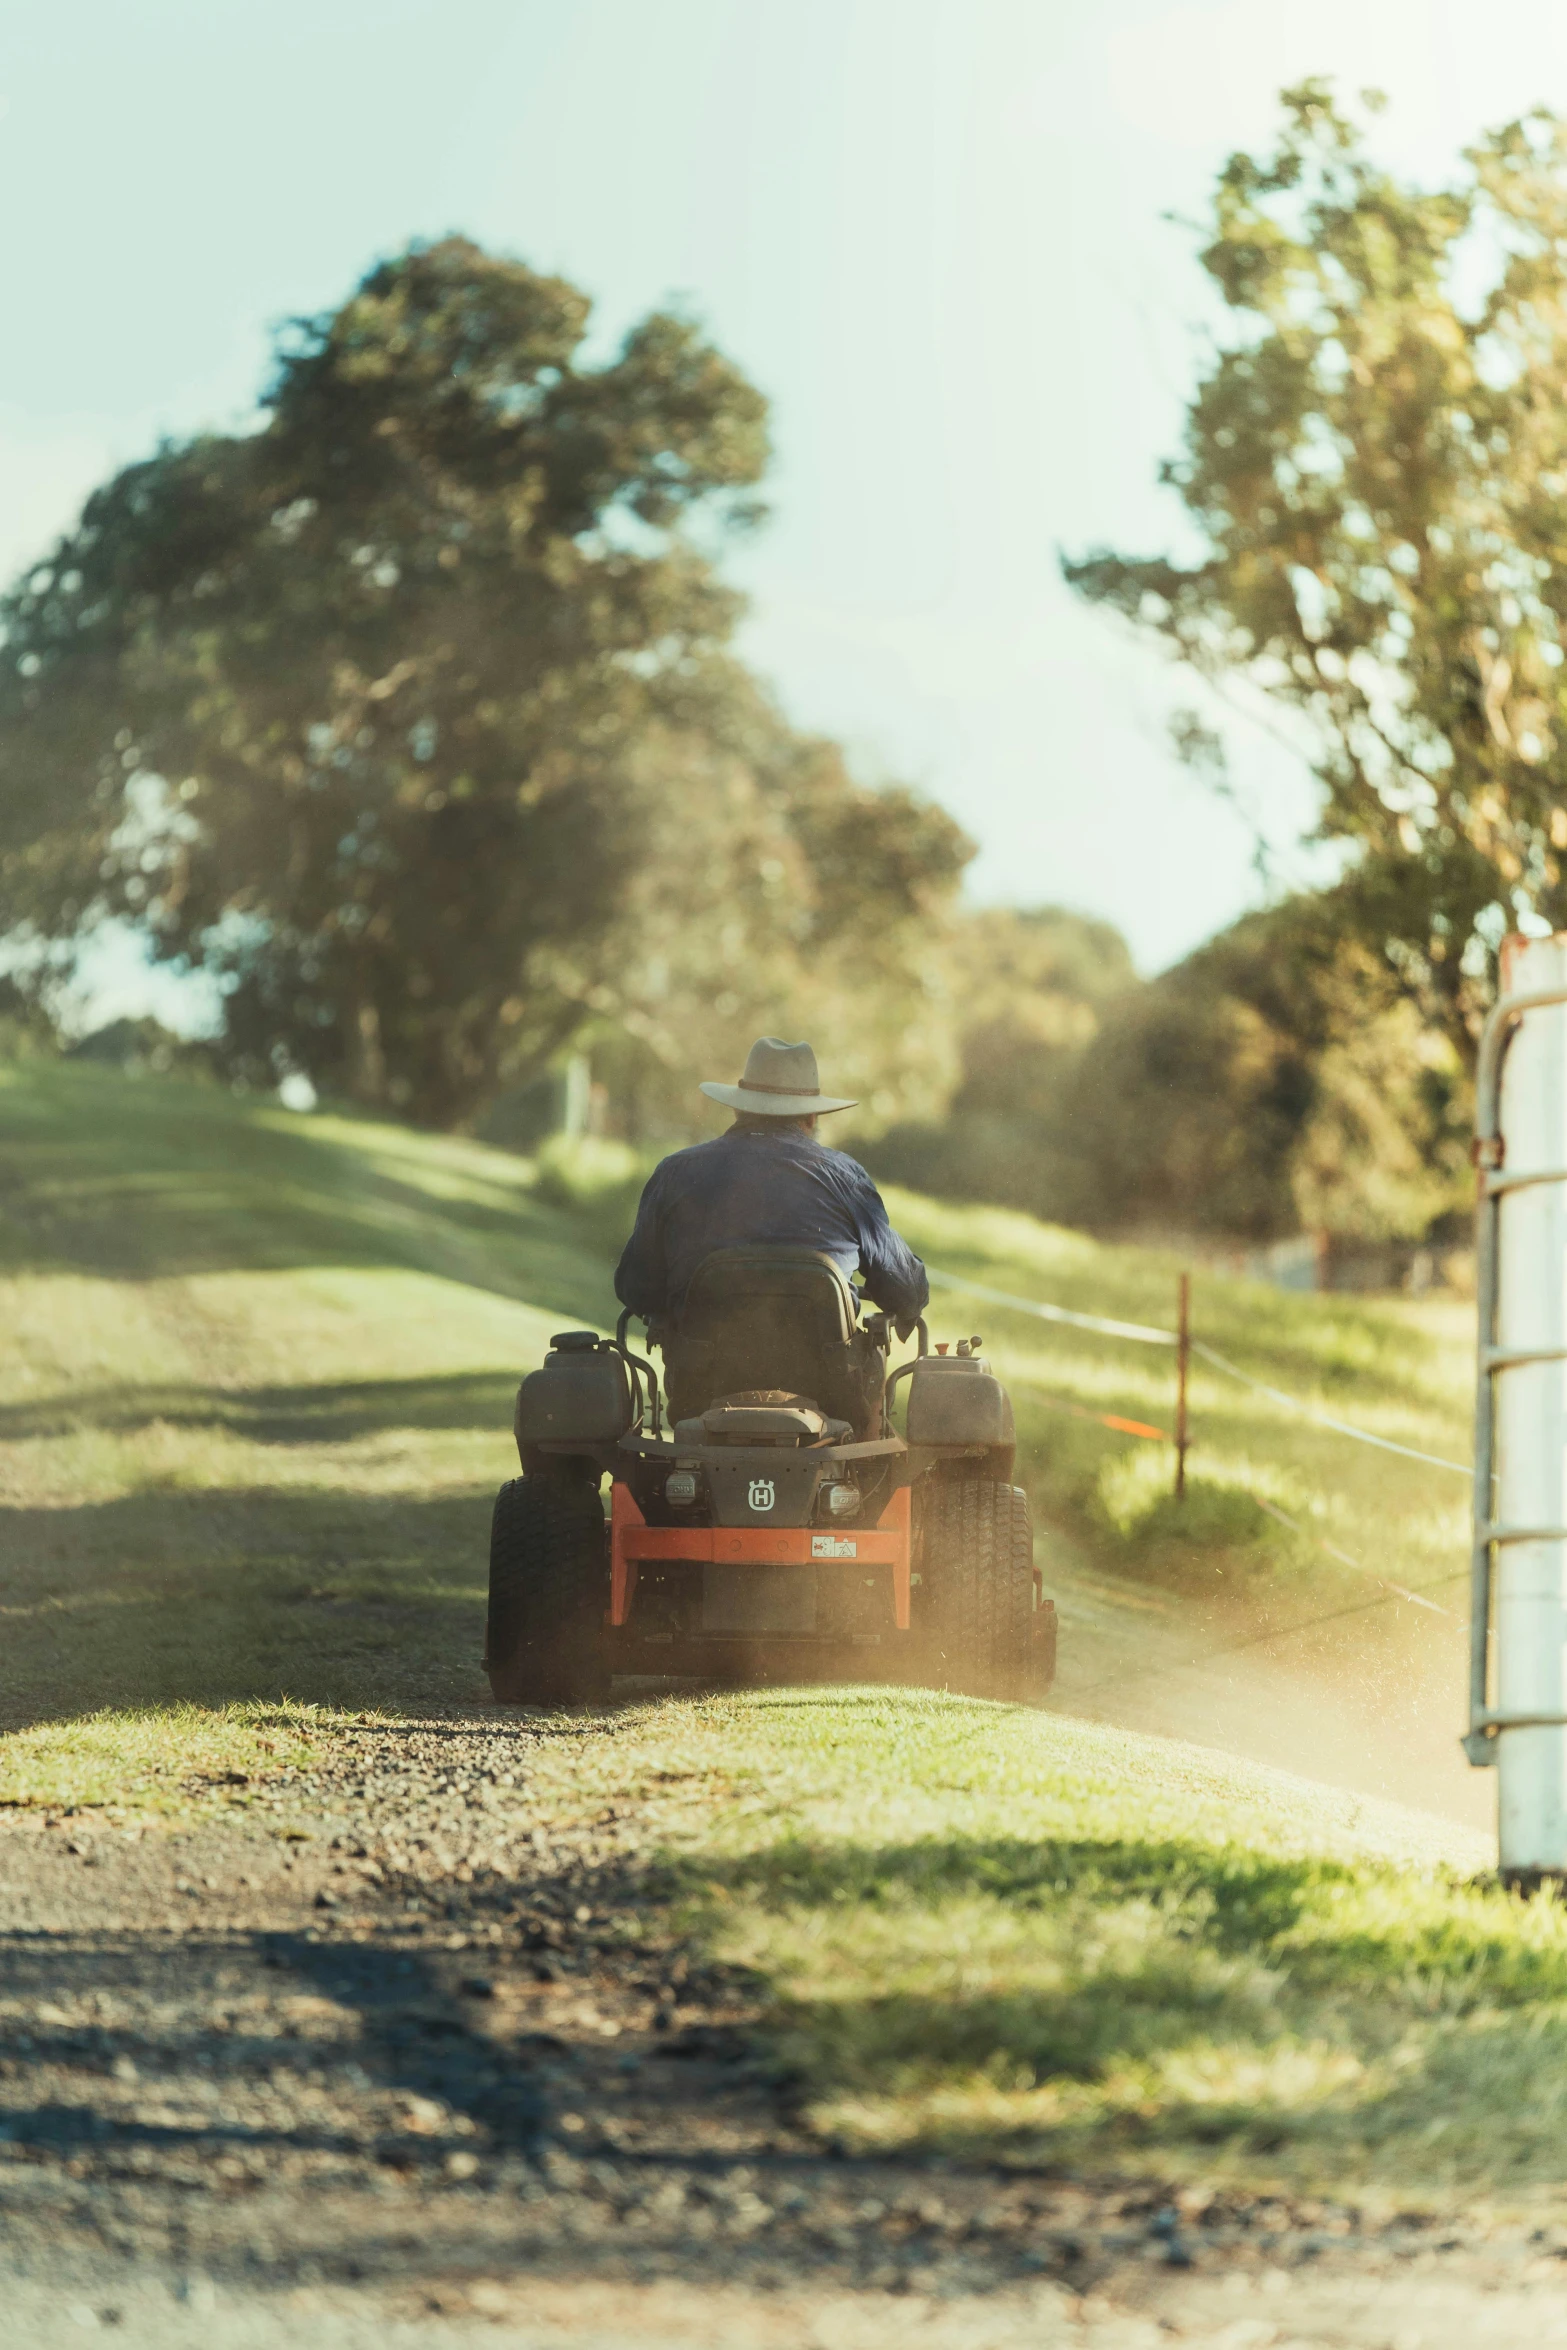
397,2052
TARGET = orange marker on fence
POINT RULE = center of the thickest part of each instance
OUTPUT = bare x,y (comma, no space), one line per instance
1058,1403
1130,1427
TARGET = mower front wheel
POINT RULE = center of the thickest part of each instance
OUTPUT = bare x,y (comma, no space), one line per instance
549,1593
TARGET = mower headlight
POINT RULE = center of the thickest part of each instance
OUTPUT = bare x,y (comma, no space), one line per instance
680,1486
843,1500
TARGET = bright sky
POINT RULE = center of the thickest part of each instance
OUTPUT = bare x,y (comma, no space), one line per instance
930,229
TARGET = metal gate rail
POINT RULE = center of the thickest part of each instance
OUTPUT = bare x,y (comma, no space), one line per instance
1495,1181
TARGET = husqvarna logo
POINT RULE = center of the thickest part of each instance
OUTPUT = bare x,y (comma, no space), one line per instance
761,1495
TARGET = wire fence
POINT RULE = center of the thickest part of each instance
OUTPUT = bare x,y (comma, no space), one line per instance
1049,1313
1432,1460
1146,1334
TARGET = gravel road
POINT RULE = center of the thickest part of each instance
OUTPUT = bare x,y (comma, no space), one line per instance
400,2050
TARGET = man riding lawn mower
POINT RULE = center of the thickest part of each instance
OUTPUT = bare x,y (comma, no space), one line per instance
779,1527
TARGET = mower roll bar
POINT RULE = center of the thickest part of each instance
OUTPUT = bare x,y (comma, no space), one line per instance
903,1370
640,1369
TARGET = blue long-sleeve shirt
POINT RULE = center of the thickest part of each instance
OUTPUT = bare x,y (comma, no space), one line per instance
748,1188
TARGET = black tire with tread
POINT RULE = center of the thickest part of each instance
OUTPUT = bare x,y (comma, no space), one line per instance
975,1606
549,1593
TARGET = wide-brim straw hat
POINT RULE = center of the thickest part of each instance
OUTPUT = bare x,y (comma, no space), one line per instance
780,1081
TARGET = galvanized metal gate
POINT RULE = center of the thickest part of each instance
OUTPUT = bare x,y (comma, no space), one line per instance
1519,1558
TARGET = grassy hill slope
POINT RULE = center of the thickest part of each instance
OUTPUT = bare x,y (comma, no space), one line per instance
256,1391
254,1394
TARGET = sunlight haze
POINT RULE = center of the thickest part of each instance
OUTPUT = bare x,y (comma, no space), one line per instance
932,233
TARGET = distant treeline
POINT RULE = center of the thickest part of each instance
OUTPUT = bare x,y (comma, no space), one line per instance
1278,1080
1275,1082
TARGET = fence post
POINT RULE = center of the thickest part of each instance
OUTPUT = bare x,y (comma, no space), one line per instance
1183,1352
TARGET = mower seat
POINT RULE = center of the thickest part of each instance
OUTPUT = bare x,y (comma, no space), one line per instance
769,1416
771,1318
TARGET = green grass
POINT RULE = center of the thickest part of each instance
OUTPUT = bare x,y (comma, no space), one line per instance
255,1396
997,1935
1400,1368
254,1399
256,1386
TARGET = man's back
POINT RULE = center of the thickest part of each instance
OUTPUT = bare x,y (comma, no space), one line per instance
763,1186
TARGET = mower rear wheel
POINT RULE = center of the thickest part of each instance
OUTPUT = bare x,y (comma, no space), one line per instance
549,1592
976,1598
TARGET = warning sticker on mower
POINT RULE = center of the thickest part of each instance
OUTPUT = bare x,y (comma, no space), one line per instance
833,1546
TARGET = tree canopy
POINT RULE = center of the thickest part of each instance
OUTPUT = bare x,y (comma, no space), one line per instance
1376,466
409,715
1026,992
1277,1080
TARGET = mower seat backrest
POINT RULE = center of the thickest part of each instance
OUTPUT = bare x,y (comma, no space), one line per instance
800,1291
764,1317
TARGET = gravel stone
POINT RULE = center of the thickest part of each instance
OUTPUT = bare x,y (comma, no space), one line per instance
255,2055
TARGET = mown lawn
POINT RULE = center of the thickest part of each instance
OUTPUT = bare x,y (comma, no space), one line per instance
257,1369
255,1388
255,1398
1006,1935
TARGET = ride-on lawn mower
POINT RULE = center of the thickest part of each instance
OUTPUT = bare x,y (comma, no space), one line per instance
781,1529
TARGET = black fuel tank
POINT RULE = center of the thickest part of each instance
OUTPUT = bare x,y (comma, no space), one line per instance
956,1399
581,1396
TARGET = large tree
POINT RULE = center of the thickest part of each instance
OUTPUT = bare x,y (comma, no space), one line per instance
394,713
1376,466
1277,1080
773,892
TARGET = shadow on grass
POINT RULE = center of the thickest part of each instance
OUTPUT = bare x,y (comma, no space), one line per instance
333,1413
1168,1991
206,1598
1439,1940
